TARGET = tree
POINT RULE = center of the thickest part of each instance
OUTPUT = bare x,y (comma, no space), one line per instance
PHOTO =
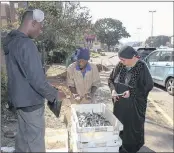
158,41
110,31
64,25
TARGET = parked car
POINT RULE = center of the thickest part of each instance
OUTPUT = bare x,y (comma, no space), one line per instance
161,66
144,51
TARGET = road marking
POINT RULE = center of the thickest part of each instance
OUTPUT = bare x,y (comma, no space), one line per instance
169,119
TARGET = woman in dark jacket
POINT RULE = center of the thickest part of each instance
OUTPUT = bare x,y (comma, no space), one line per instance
132,79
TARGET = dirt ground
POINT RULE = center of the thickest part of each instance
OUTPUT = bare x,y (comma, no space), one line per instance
9,121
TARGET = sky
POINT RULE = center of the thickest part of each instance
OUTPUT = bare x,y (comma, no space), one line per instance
136,15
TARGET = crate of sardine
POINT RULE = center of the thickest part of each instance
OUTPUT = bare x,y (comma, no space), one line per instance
94,118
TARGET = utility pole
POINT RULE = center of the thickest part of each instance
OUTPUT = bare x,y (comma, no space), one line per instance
139,29
152,25
152,22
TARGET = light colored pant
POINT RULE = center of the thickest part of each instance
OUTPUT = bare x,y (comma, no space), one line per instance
31,131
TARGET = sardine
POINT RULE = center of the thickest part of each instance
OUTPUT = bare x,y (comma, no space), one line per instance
92,119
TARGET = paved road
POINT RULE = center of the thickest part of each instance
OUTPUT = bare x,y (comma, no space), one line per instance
163,99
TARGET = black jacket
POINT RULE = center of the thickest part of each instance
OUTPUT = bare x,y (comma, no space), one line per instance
27,84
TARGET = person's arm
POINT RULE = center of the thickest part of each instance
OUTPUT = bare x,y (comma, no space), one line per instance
112,76
147,80
70,80
145,83
30,62
111,80
96,82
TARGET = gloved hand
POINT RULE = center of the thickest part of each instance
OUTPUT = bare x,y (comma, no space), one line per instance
55,106
77,97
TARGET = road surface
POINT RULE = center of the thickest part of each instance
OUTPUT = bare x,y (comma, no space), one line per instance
163,100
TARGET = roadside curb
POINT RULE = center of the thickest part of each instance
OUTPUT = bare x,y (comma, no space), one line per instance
169,120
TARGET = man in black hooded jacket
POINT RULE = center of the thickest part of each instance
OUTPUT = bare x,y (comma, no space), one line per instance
27,84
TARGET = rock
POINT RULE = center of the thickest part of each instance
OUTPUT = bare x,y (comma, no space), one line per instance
9,134
12,120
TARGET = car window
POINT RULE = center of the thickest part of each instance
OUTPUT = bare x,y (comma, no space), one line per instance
165,56
146,49
172,58
144,52
154,57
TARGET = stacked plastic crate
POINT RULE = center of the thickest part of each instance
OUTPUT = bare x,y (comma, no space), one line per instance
98,138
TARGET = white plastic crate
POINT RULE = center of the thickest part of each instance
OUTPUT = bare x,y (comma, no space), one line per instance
94,136
96,143
97,108
99,149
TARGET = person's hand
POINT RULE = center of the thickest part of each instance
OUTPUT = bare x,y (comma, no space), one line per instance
114,96
88,96
77,97
126,94
61,95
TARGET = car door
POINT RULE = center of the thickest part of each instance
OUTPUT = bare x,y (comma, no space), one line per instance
163,67
151,61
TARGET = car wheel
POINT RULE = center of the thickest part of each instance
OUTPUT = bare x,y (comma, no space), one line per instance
170,86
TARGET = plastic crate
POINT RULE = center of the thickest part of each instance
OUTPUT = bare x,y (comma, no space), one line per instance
111,142
97,108
99,149
94,136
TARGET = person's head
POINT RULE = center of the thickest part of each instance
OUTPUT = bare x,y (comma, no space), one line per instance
83,57
32,22
127,55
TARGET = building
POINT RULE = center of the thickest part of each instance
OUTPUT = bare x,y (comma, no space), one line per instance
5,14
13,9
9,11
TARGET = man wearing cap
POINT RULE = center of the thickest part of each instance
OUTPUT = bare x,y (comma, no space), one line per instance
27,84
83,77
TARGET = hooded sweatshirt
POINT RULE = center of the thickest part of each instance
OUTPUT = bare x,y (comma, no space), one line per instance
27,84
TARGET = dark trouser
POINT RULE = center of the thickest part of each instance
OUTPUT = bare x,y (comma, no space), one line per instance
129,148
31,131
